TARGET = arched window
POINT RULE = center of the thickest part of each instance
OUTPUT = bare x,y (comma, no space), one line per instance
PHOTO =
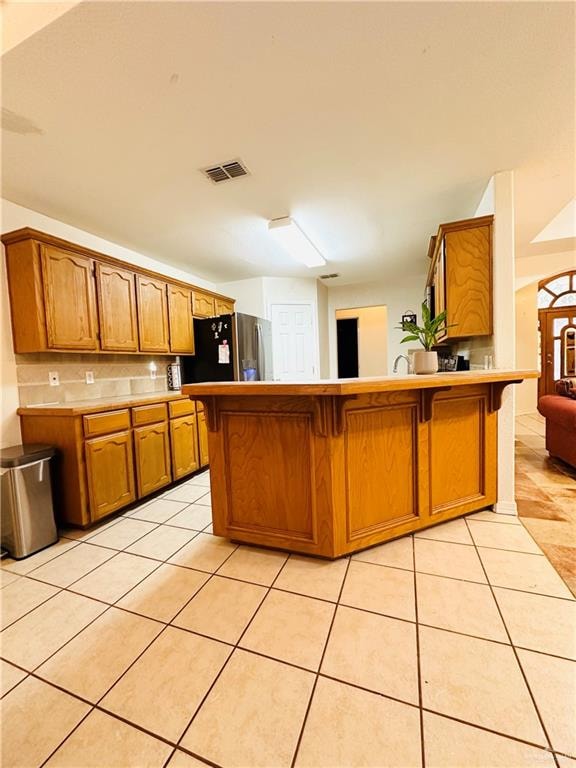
557,291
557,323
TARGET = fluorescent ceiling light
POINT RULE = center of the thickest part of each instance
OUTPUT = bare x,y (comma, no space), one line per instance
289,235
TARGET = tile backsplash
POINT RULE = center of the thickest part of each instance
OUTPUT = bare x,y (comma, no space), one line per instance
114,375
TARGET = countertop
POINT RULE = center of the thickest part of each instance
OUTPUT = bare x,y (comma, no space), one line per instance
356,386
81,407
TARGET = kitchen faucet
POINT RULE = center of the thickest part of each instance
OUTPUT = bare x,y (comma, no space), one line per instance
401,357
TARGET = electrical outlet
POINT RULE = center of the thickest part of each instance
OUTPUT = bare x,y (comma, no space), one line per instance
53,378
152,368
89,377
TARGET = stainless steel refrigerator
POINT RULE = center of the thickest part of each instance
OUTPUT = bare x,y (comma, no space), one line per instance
233,347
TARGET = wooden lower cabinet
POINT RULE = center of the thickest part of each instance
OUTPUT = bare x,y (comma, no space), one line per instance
110,473
203,439
184,444
152,457
107,459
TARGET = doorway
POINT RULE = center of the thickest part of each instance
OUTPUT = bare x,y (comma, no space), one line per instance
557,323
293,342
362,345
347,341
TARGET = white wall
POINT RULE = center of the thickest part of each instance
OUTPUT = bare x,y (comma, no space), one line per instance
397,296
531,269
249,295
322,294
14,217
372,339
527,346
9,422
504,337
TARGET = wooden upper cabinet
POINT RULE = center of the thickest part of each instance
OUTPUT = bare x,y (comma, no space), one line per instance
223,306
461,276
468,280
69,299
180,319
117,308
152,314
202,304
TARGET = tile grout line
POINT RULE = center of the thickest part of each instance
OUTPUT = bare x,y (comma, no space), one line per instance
234,648
97,704
285,663
317,675
328,677
520,667
418,661
277,589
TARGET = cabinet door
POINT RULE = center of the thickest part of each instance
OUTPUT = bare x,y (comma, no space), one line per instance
202,304
110,473
152,449
180,317
469,281
184,442
223,307
117,308
202,439
152,314
69,297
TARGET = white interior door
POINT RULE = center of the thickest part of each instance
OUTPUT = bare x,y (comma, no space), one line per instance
293,342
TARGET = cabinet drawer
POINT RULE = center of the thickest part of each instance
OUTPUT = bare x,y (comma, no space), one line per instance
103,423
202,304
148,414
181,408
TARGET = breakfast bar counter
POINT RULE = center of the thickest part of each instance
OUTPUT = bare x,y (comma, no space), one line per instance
333,466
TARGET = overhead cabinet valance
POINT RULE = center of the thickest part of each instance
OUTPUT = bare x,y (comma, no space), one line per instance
67,298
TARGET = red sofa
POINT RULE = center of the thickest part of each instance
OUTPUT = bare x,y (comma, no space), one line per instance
560,414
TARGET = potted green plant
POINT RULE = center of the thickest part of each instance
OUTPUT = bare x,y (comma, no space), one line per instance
425,360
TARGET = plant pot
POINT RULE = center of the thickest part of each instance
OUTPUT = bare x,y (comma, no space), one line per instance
425,362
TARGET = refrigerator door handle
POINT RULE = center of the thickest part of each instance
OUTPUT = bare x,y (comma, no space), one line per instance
260,351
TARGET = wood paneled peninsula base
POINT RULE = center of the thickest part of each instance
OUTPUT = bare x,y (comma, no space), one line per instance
331,467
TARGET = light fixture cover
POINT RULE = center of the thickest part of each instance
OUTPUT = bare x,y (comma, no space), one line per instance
295,242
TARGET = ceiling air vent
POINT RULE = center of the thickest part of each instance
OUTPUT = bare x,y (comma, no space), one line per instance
330,277
232,170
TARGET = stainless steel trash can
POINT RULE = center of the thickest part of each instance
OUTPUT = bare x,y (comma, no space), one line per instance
26,499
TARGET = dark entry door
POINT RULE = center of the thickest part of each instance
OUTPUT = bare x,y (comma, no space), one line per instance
558,347
347,339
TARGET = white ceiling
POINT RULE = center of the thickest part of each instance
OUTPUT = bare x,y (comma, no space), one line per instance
369,123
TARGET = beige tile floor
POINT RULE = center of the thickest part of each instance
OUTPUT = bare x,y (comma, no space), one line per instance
150,642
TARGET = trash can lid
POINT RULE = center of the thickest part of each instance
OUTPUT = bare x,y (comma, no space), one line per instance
19,455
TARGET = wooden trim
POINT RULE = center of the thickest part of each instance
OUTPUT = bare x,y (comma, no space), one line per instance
27,233
427,401
496,390
544,283
212,412
338,414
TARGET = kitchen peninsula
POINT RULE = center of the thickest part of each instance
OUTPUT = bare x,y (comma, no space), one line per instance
331,467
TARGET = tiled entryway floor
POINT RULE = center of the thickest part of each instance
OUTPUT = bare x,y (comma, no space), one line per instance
546,496
150,642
